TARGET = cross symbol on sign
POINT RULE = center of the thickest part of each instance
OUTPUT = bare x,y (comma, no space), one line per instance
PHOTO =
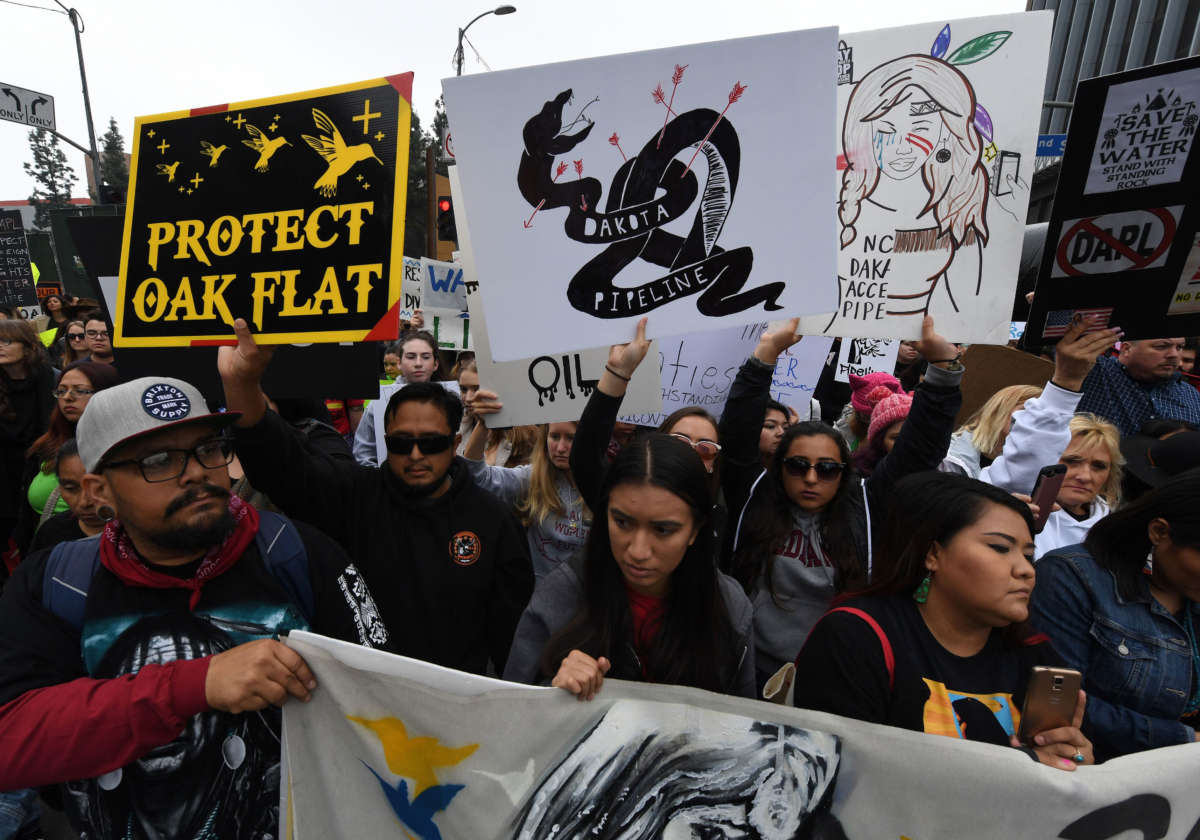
366,116
163,146
196,180
238,122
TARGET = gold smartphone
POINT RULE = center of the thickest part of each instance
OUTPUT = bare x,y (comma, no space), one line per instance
1050,700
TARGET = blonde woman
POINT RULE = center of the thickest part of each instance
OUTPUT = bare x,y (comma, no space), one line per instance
543,493
1092,487
979,441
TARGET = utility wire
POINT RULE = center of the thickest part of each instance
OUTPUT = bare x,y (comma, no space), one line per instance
31,6
478,57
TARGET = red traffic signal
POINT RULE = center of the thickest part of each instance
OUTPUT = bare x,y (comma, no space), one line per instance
444,205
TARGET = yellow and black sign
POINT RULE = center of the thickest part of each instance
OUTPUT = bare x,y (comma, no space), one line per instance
288,212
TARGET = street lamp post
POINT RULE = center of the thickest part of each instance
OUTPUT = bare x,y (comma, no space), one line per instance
93,154
458,53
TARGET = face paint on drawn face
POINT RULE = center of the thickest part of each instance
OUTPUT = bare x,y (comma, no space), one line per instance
906,136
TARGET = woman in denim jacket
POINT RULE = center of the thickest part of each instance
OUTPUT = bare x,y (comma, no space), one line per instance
1124,608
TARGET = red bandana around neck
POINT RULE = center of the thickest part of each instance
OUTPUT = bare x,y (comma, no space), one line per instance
120,557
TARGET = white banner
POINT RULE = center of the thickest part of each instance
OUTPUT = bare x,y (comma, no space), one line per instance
393,747
938,128
443,287
687,183
410,289
862,356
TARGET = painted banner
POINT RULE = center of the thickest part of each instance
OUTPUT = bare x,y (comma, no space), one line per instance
938,127
862,356
410,289
443,288
684,183
393,747
288,211
16,271
1121,235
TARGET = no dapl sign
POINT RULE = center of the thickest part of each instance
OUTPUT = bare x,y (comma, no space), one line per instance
1127,241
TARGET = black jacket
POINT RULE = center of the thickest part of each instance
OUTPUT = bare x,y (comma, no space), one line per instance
450,575
29,403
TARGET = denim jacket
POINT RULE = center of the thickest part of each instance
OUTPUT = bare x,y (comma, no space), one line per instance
1135,655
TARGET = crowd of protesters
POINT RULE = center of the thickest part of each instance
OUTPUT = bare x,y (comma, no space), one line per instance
156,548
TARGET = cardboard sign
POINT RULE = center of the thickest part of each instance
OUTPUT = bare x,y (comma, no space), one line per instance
862,356
410,289
16,272
287,211
666,183
443,290
990,368
938,129
1126,215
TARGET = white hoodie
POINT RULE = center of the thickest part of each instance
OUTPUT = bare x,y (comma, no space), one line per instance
1062,529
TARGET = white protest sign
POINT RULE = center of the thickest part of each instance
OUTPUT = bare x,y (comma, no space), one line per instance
862,356
443,289
410,289
664,182
1146,132
938,126
1187,293
389,746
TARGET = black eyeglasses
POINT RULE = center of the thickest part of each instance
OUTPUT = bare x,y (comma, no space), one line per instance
62,390
97,333
704,448
76,336
429,444
169,464
826,470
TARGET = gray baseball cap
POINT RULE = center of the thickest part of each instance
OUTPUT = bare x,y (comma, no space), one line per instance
134,409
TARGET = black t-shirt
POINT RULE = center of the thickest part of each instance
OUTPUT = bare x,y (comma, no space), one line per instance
61,527
842,670
224,768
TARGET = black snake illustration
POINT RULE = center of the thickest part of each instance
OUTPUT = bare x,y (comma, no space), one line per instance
648,191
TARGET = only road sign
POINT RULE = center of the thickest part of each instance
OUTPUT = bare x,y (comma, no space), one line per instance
27,107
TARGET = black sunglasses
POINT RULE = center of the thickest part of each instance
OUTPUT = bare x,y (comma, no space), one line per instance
75,336
826,470
429,444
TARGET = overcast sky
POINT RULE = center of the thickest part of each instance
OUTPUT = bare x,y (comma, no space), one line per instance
152,56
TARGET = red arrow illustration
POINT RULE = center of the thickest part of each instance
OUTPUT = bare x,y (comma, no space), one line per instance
562,167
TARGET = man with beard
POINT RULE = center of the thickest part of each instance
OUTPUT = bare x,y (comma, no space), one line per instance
447,560
140,668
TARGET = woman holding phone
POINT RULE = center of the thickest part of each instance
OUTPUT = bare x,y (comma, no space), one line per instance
939,643
1124,608
645,603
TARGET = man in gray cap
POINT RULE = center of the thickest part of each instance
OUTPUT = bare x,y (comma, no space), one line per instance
130,661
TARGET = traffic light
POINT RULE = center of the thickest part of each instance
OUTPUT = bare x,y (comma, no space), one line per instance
447,231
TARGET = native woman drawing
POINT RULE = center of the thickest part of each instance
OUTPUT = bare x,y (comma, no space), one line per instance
649,190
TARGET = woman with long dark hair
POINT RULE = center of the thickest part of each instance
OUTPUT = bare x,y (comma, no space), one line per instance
1124,608
25,405
804,527
646,602
940,642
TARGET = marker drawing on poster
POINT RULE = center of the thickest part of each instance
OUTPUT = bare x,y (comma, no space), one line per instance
863,356
1146,133
410,289
938,128
443,287
663,182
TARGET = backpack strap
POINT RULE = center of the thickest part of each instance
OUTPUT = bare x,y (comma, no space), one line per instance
889,657
68,577
286,558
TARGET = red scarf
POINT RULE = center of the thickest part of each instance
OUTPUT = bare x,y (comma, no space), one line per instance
647,613
119,556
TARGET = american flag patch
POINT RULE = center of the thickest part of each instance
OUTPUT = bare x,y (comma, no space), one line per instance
1059,320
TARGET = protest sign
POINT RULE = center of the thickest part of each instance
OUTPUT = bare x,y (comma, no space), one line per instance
16,271
938,128
862,356
410,289
1126,216
450,331
287,211
695,146
389,747
990,367
443,289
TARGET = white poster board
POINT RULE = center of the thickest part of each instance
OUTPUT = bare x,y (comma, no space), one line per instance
938,134
1147,132
443,287
862,356
410,289
594,201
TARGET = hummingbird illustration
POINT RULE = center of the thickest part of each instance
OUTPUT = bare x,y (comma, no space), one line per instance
210,151
169,171
264,145
417,815
336,153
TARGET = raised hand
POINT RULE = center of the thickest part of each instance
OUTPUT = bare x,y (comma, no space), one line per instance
772,344
934,348
1077,351
623,360
241,370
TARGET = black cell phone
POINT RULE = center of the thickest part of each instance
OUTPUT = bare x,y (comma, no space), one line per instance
1045,492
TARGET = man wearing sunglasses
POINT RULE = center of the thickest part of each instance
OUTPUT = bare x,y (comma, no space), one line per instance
140,668
447,561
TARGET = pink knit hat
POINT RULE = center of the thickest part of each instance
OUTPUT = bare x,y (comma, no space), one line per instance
888,411
867,391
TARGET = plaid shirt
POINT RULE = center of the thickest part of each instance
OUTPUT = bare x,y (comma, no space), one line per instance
1110,392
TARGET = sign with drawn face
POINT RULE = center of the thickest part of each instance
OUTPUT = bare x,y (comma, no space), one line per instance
938,129
288,211
863,356
682,184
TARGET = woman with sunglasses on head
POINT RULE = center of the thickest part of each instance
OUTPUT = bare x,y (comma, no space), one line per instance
940,643
73,390
645,603
691,425
805,526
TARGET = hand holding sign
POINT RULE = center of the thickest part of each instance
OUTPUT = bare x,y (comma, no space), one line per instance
241,370
623,360
1076,353
936,349
772,344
